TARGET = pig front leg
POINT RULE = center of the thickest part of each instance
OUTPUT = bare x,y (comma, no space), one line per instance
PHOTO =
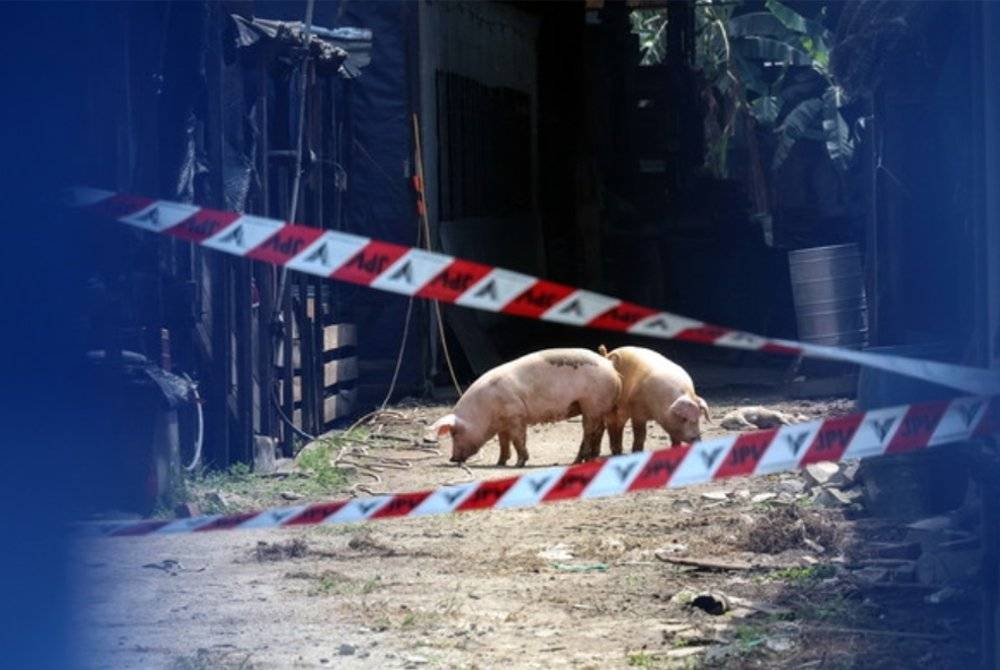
504,439
638,434
520,439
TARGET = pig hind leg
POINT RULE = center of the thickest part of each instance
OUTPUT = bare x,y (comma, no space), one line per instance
504,439
590,444
616,428
593,431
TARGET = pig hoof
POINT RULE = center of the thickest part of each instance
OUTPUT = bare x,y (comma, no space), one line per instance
501,463
521,463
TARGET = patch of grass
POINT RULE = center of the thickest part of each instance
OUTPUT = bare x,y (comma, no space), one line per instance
641,659
803,575
409,621
316,462
834,608
749,637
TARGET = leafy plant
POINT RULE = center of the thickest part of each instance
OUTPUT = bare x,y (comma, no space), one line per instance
769,69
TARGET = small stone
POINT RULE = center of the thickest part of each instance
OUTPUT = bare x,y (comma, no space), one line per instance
186,510
324,660
835,498
219,499
793,486
822,472
673,548
715,495
944,595
871,575
763,497
559,552
346,650
779,643
743,493
849,471
290,495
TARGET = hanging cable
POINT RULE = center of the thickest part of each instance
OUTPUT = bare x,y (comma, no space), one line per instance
294,205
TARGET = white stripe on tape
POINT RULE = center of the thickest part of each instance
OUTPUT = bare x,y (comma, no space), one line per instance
740,340
444,500
663,324
327,253
959,420
243,234
495,290
875,433
412,271
273,518
186,525
617,475
701,462
580,307
358,510
81,196
787,447
160,215
529,490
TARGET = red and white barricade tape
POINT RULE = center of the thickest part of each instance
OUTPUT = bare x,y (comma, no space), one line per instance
892,430
425,274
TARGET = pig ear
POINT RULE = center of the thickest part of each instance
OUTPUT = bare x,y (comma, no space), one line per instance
444,425
602,350
704,408
685,408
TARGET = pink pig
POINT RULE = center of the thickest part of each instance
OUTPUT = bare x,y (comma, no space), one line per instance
545,386
653,388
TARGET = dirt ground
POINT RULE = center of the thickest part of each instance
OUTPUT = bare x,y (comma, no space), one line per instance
567,585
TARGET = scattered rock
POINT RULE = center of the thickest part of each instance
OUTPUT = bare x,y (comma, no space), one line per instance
413,660
815,546
947,594
278,551
713,603
264,454
346,650
871,575
779,643
793,486
763,497
685,652
832,498
933,523
290,495
559,552
187,510
682,597
715,495
673,548
822,473
218,499
908,550
743,493
612,545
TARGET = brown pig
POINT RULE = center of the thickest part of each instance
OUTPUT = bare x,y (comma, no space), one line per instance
653,388
545,386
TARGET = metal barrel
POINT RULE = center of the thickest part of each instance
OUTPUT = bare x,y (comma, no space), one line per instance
828,290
